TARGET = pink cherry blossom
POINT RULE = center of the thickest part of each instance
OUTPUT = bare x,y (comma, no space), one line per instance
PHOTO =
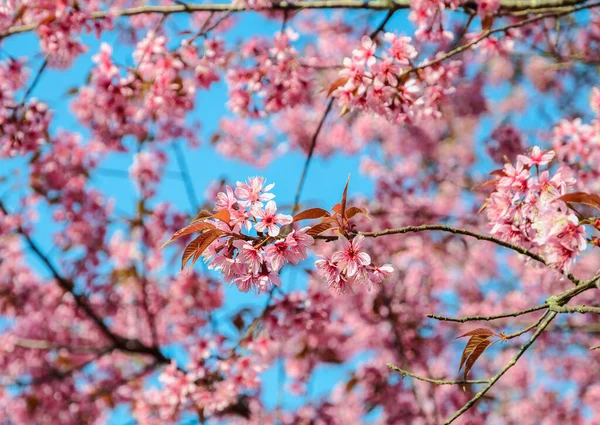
351,259
270,220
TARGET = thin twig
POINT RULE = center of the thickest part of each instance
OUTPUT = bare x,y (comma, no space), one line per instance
309,156
485,34
185,176
35,81
313,142
436,381
527,329
487,318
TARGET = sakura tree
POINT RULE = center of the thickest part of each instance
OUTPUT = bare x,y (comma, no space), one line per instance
477,125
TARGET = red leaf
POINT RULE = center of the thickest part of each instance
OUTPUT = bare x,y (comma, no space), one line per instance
317,229
311,213
487,21
223,215
202,215
352,211
337,208
196,247
479,332
582,198
19,14
47,20
499,172
337,83
345,197
192,228
481,347
473,342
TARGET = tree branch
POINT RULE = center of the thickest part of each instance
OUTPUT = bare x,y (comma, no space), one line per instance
506,6
574,309
547,13
436,381
119,342
309,156
487,318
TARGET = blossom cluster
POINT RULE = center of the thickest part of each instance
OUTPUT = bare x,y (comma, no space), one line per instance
525,208
161,90
506,142
577,144
23,123
386,84
428,16
351,266
273,73
253,262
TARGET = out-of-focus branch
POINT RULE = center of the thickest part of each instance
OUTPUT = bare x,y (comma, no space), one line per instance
506,6
309,156
118,342
40,344
547,13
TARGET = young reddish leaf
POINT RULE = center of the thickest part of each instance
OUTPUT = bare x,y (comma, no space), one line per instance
47,20
223,215
473,342
19,14
311,213
479,332
481,347
202,215
196,247
192,228
499,172
487,21
337,83
582,198
345,197
352,211
317,229
337,208
485,184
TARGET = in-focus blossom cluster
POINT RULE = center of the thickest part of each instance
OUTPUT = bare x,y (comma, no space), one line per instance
249,262
384,83
526,209
351,266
